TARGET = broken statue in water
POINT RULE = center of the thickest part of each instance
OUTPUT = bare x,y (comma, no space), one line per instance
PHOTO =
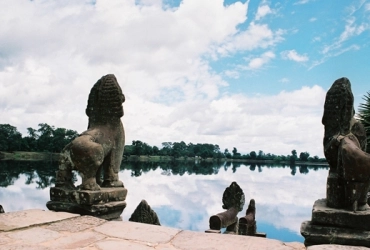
96,153
344,216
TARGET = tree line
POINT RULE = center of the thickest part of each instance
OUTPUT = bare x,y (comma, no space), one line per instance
47,138
206,150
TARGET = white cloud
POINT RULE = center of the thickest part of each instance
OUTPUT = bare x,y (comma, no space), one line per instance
346,39
284,80
367,7
232,74
258,62
351,29
54,52
236,121
256,36
262,11
302,2
294,56
313,19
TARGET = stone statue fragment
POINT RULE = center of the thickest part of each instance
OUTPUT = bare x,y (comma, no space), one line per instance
144,214
247,224
233,200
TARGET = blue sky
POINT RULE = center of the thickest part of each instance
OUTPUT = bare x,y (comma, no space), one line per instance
245,74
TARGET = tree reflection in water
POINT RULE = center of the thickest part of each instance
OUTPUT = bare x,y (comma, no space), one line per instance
137,168
40,172
43,172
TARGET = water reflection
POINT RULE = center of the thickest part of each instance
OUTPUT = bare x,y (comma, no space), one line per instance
207,168
186,194
40,172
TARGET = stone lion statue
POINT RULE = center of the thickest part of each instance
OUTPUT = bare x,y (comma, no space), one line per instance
344,147
100,147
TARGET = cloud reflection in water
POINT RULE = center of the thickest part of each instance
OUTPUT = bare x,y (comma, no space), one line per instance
185,200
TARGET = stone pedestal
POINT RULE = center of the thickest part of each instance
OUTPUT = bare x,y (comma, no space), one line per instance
336,226
107,203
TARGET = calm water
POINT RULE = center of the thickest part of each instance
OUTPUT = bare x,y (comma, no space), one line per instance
185,195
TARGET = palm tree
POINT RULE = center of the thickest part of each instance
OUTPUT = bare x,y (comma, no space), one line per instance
364,117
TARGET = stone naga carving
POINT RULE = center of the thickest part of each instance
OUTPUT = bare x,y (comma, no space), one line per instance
344,145
100,147
233,200
247,224
144,214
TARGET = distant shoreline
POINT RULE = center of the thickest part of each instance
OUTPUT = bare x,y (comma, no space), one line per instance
47,156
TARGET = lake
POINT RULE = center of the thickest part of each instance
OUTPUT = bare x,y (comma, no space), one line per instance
185,194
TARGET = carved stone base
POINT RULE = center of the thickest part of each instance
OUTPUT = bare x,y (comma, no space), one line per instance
107,203
320,234
336,226
323,215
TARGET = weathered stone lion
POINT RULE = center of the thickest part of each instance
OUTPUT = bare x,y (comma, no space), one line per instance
344,147
100,147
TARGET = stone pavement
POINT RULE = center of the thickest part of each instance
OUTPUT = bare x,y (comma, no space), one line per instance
39,229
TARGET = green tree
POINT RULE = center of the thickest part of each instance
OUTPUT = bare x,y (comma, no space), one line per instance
235,151
253,155
155,150
44,141
364,117
166,148
30,141
293,157
10,138
260,155
227,153
303,156
138,147
179,149
60,138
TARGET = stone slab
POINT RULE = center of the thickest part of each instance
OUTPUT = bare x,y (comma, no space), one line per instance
22,219
335,247
318,234
80,223
86,197
34,235
108,211
189,240
77,240
138,231
114,244
323,215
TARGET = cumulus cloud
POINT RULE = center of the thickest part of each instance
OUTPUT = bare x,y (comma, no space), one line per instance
55,51
262,11
256,36
232,74
294,56
258,62
238,121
